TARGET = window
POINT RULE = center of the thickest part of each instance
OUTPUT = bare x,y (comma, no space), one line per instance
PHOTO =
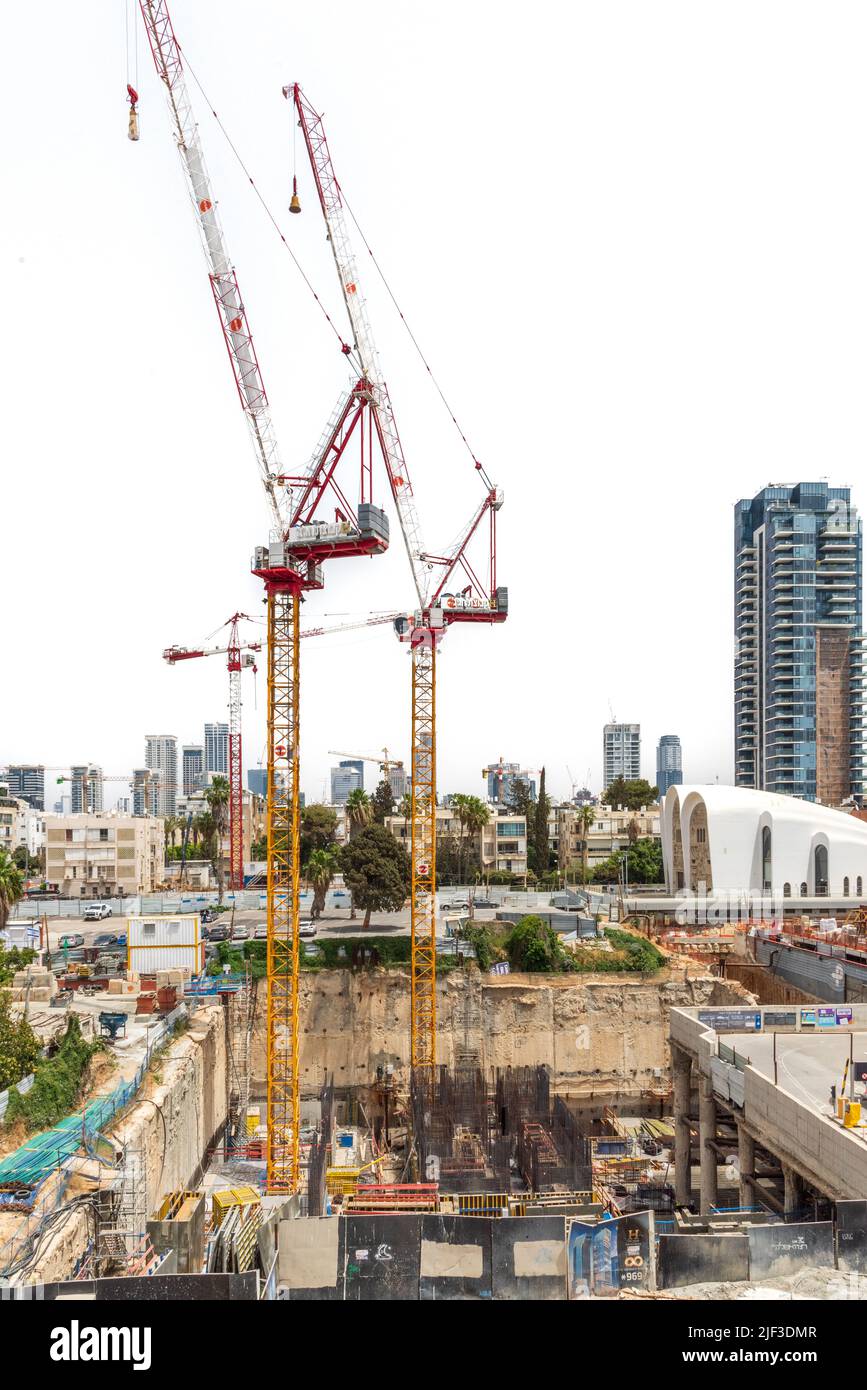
103,834
859,886
766,859
803,890
701,835
149,929
845,887
787,890
820,870
69,836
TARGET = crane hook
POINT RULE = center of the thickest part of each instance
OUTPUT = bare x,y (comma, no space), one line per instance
132,98
294,201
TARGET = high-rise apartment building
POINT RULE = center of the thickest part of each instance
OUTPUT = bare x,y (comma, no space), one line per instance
193,760
216,749
86,788
27,781
798,677
501,778
347,777
669,763
145,792
621,753
161,755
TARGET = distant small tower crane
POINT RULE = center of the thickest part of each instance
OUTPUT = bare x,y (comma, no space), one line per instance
240,657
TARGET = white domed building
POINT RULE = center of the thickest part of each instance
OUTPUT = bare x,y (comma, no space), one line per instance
734,839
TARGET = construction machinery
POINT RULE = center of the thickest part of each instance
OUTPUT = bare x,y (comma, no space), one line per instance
384,763
240,656
291,563
299,543
480,600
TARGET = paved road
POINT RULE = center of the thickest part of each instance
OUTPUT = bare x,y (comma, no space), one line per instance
807,1064
335,922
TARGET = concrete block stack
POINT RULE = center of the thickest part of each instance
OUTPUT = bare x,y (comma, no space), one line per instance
129,986
34,985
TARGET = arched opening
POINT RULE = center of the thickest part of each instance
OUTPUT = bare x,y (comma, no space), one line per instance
859,888
845,887
820,870
787,890
803,890
766,859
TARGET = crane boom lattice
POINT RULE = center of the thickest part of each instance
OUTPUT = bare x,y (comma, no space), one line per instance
423,854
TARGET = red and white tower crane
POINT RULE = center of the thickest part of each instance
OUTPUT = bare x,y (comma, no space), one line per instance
240,656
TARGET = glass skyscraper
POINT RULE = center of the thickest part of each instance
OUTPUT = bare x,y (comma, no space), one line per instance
798,675
669,765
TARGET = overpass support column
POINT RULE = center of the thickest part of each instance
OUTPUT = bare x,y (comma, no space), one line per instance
746,1166
793,1191
681,1066
706,1137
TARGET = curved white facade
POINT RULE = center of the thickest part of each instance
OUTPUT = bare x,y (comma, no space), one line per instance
734,838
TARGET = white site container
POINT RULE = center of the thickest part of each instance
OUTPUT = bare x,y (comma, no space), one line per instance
165,943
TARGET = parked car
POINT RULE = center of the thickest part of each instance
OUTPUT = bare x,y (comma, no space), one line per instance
240,932
306,928
120,939
104,940
95,912
218,933
459,905
483,902
70,940
207,914
260,933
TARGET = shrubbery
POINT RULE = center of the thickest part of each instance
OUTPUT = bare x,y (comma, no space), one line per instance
55,1092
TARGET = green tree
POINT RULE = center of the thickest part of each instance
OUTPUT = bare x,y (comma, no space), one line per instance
19,1047
383,802
259,849
11,887
540,859
534,946
645,862
518,798
319,871
318,829
631,794
608,870
376,870
217,797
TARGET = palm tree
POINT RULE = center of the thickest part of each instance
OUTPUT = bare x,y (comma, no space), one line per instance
586,817
11,887
217,797
359,814
359,810
472,814
321,867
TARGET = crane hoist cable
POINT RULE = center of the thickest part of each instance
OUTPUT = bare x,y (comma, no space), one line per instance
295,207
344,346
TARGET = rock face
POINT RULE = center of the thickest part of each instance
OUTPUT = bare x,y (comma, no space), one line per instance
594,1031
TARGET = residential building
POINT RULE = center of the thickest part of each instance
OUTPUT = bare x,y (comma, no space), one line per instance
145,792
104,855
798,675
27,781
397,781
161,755
217,749
609,831
501,846
621,753
21,825
86,788
347,777
669,765
193,763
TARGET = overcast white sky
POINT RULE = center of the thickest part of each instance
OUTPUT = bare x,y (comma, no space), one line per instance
632,239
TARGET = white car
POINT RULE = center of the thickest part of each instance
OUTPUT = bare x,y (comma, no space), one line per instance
95,912
306,928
